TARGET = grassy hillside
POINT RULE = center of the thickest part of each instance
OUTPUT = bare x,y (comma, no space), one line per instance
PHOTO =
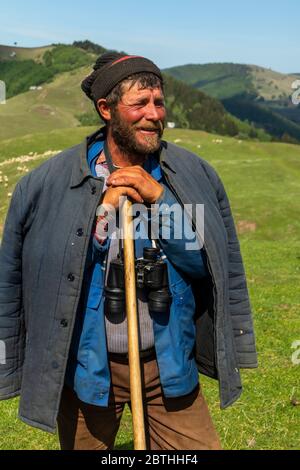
272,85
20,74
218,80
53,107
61,104
225,80
23,53
21,69
255,95
260,95
263,184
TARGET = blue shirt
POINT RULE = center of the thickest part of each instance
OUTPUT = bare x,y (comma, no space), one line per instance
88,368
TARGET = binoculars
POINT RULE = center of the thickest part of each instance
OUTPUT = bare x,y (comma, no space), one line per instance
151,274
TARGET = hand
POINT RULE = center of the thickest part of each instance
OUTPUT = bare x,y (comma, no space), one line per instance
112,195
136,179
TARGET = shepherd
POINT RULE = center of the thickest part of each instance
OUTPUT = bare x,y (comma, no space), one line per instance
62,290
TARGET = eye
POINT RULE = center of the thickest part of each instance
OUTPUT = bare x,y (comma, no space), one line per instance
141,104
160,103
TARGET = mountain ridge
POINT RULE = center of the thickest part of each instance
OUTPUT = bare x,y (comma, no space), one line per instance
260,95
32,67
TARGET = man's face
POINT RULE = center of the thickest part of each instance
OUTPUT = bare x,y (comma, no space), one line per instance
137,122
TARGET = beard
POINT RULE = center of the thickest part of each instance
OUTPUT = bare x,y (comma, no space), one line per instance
125,136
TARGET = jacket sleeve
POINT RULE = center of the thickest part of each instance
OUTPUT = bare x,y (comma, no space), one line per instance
12,329
239,303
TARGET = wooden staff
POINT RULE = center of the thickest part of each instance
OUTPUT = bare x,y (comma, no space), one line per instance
133,336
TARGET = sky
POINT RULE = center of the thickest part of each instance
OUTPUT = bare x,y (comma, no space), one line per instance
261,32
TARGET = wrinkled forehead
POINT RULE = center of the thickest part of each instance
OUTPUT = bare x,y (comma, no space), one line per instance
131,88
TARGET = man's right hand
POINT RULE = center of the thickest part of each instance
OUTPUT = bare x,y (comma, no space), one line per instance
112,195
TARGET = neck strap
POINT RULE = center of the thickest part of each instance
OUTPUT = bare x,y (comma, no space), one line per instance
108,157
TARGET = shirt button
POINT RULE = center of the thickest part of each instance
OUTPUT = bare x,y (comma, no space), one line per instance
79,232
71,277
64,323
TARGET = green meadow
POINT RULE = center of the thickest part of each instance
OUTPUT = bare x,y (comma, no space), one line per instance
263,184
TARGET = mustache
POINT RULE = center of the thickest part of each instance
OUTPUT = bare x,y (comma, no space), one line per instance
159,127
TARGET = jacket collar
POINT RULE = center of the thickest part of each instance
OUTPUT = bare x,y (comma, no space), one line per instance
164,157
81,170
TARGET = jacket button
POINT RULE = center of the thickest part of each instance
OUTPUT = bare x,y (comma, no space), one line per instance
71,277
93,190
55,365
79,232
64,323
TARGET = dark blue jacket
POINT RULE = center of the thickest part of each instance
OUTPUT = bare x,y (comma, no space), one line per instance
42,263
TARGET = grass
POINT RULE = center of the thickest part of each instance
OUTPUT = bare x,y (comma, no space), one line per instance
263,183
52,107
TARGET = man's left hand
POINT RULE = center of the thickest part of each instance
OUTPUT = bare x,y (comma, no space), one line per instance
136,177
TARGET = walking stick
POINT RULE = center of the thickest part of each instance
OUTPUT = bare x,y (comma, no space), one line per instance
132,322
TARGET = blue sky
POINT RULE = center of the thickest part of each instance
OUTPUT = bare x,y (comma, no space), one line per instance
169,32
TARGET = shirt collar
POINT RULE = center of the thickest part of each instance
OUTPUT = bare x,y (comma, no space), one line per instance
92,155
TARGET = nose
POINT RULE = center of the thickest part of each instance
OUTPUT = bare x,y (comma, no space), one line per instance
153,112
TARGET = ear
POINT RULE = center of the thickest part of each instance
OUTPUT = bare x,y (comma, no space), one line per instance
104,109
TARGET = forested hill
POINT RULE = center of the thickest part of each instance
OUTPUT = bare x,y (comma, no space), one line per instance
49,67
254,94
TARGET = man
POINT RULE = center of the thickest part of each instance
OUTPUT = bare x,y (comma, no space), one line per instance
61,314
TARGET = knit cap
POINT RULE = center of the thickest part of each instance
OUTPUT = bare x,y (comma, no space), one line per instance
113,67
